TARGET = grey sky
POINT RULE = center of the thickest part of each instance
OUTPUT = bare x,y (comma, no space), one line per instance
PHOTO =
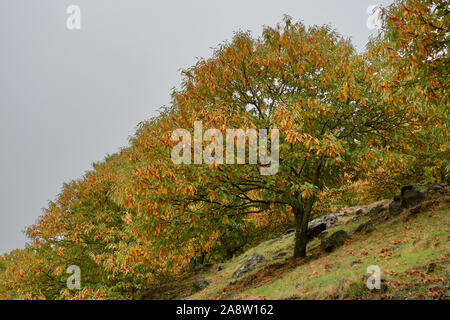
67,98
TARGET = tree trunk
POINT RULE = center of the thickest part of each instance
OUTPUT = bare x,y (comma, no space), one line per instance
302,214
301,228
300,235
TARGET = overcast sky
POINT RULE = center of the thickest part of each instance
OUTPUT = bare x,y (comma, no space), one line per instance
69,97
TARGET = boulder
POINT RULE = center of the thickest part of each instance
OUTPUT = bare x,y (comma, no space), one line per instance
361,211
330,220
395,207
315,227
334,241
366,227
411,197
377,209
200,284
249,264
316,230
436,189
315,222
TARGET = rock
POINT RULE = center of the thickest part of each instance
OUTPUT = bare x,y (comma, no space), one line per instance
366,227
249,264
331,224
436,189
315,227
354,219
316,230
313,223
376,210
422,207
288,231
330,220
200,284
334,241
395,207
411,197
355,264
323,234
447,178
360,212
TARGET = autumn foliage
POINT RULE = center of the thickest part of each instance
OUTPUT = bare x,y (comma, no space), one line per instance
352,126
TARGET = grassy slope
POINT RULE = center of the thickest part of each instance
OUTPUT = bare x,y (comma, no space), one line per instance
413,254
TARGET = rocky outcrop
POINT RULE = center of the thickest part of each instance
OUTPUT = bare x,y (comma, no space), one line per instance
377,209
330,220
200,284
323,234
372,210
249,264
315,227
395,207
436,189
314,231
365,228
334,241
409,197
319,226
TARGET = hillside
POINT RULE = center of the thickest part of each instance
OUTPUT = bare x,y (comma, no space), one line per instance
411,250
